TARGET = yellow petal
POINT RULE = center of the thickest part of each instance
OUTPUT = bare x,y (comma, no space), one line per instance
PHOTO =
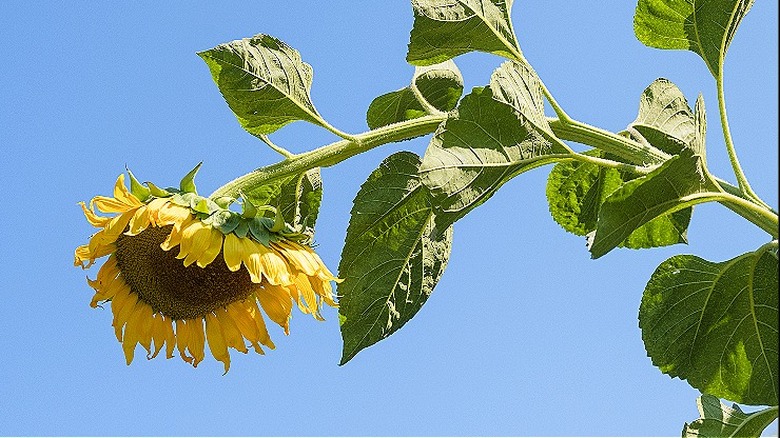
211,253
195,239
123,195
139,221
197,340
158,334
175,237
132,331
252,260
122,306
275,267
254,312
298,256
232,335
305,289
182,340
216,341
277,303
171,214
92,218
233,252
170,338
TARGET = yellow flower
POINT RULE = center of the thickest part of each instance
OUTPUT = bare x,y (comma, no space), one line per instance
208,291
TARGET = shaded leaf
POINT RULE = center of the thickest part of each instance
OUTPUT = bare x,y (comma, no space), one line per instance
719,420
679,183
441,85
475,153
516,84
705,27
577,190
391,260
264,81
715,324
444,29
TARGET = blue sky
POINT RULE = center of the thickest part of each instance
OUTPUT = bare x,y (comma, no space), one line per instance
524,335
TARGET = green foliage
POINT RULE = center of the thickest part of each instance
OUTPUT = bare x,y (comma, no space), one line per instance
445,29
715,324
576,192
718,420
264,81
440,85
712,324
705,27
391,259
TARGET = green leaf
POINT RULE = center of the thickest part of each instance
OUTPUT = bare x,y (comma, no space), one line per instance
516,84
487,144
715,324
679,183
297,197
718,420
187,184
264,81
577,190
391,260
444,29
441,85
705,27
665,120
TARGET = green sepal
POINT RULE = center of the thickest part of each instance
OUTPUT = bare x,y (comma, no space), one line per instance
200,205
248,210
225,201
183,199
259,229
156,191
137,189
279,224
188,182
225,221
242,229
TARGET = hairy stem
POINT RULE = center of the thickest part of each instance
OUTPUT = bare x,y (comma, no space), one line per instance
331,154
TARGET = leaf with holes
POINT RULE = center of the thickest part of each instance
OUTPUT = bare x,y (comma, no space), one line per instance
264,81
715,324
391,259
705,27
444,29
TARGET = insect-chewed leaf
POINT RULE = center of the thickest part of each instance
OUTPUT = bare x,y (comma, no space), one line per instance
264,81
705,27
577,190
441,85
297,197
392,257
718,420
444,29
715,324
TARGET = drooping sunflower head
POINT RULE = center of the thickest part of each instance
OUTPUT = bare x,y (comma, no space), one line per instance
183,270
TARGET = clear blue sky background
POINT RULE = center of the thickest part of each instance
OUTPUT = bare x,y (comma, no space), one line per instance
524,335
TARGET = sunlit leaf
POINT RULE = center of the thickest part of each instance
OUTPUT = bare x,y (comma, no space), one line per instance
718,420
264,81
715,324
297,197
391,259
444,29
705,27
441,85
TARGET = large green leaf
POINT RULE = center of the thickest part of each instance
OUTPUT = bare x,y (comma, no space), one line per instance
264,81
665,120
499,132
715,324
679,183
297,197
577,190
705,27
391,259
718,420
441,85
444,29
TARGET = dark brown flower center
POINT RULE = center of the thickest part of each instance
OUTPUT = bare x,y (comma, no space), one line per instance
161,280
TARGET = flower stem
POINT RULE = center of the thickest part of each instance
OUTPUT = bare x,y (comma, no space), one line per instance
331,154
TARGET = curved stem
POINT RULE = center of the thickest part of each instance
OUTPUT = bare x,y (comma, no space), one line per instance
742,181
331,154
757,214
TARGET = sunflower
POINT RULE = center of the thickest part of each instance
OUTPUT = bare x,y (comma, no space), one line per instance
228,266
